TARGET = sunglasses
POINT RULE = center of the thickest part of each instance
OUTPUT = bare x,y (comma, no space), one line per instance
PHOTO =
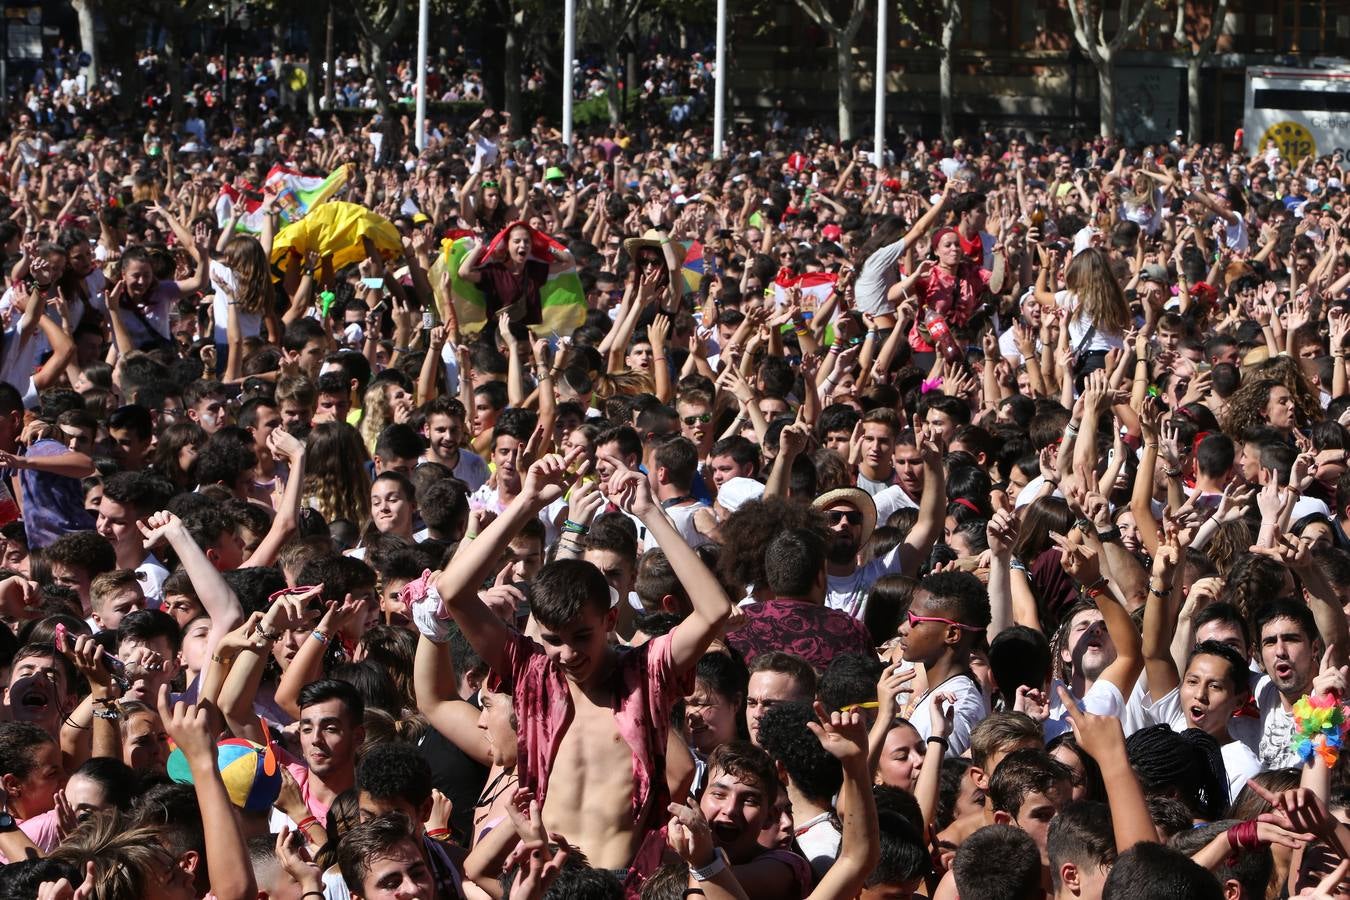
835,516
489,184
703,418
292,592
787,254
915,620
648,260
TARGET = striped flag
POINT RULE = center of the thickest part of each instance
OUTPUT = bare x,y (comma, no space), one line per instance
296,194
562,299
815,288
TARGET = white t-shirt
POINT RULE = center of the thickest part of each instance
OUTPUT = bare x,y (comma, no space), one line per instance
1079,326
1239,762
971,708
819,839
1102,699
19,357
152,575
222,279
849,593
1270,736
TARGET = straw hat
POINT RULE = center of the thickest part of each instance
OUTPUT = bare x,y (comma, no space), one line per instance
652,238
856,498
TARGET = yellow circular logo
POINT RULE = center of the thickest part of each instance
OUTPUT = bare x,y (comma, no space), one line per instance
1294,141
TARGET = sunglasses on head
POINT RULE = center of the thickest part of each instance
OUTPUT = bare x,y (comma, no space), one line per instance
835,516
704,418
489,184
915,620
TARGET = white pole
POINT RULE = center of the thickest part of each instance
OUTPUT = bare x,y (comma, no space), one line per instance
569,52
720,86
879,113
423,16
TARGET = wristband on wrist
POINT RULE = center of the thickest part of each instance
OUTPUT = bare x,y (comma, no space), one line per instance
1242,836
712,869
438,833
1096,589
319,636
938,739
1163,592
575,527
306,823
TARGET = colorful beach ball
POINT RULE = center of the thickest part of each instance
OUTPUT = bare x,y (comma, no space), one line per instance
251,773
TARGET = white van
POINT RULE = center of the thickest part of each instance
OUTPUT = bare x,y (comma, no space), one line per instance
1306,112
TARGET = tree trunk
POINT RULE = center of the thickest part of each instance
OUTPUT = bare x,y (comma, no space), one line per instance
84,10
173,73
330,58
1193,127
945,73
1106,96
511,80
630,80
612,70
843,61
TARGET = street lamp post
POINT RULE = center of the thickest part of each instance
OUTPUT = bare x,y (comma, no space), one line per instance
879,112
720,86
423,17
569,52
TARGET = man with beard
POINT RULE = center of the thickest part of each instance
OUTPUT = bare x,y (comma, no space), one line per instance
1291,648
795,620
851,516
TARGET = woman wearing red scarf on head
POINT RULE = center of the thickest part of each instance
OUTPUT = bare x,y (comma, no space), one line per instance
950,283
512,270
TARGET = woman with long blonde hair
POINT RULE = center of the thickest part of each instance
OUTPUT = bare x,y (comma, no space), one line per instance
336,483
385,403
242,279
1098,312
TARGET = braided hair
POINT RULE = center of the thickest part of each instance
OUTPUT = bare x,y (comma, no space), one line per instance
1187,764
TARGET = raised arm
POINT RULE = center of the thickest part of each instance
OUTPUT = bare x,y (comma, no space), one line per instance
1101,738
918,543
218,598
229,869
458,582
844,736
712,607
434,685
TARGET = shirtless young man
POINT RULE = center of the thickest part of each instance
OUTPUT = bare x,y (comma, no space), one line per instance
596,715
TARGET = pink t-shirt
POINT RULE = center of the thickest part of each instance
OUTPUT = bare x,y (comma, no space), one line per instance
44,830
646,685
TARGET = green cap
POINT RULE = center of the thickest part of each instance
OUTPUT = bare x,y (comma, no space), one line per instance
553,173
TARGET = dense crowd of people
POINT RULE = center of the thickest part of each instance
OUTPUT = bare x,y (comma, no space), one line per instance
970,522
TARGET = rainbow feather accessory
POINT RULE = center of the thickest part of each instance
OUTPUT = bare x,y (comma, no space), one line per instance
1319,728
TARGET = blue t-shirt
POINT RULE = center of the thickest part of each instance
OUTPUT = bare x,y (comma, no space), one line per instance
52,504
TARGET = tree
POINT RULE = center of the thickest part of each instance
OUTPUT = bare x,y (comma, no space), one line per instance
606,22
843,36
1197,51
86,11
951,23
380,23
1089,30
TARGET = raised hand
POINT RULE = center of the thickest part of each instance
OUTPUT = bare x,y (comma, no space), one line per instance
842,734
